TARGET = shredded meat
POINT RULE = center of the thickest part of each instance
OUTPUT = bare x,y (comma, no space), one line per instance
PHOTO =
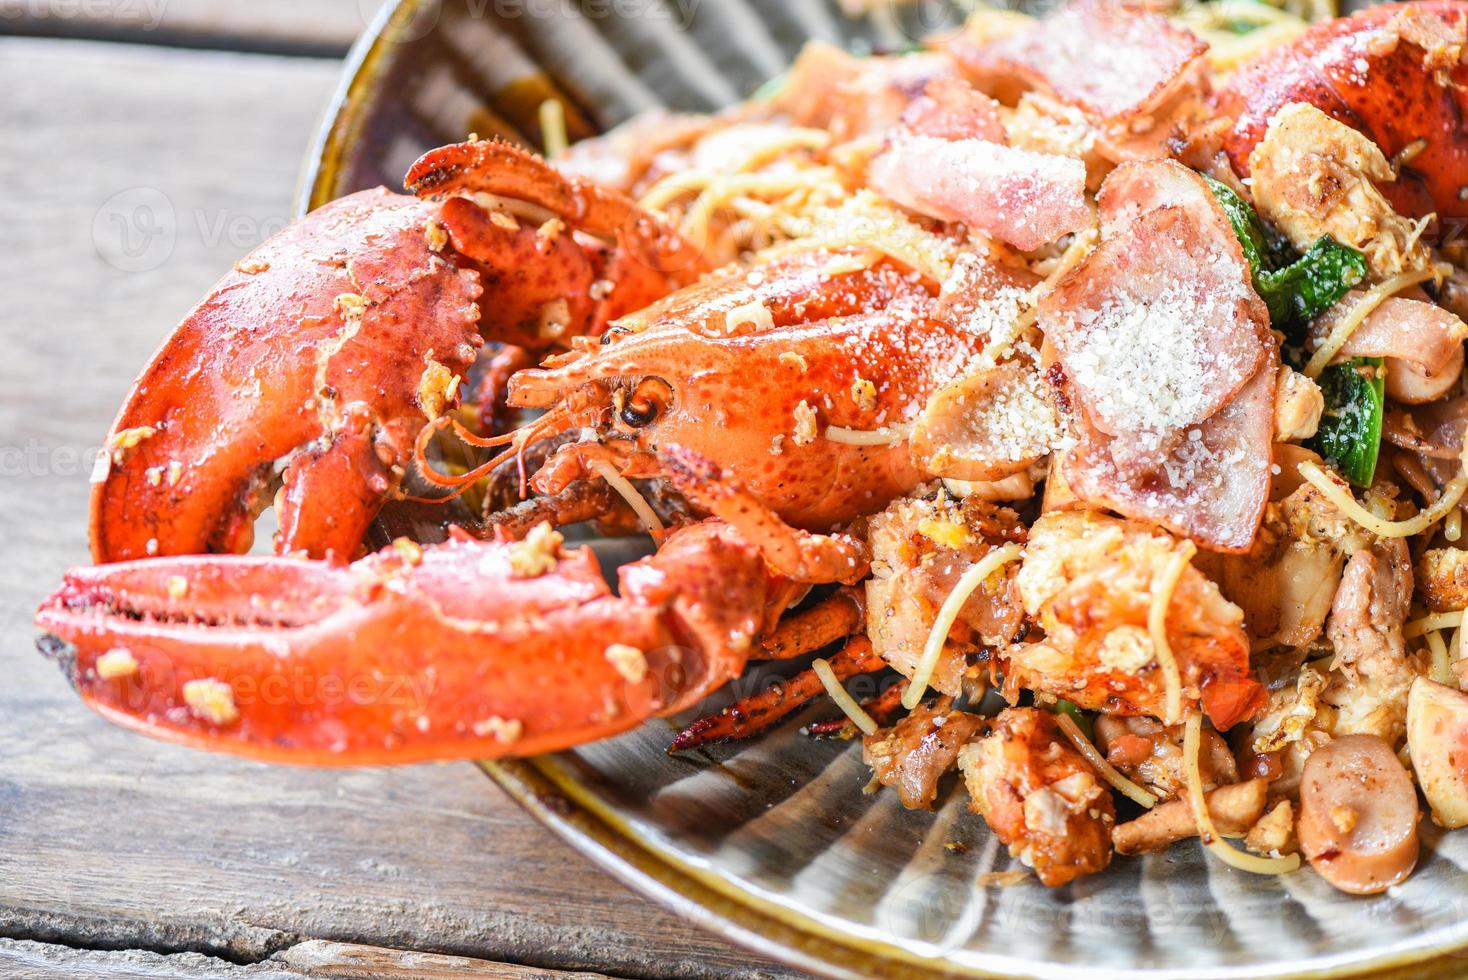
1314,176
920,548
1151,754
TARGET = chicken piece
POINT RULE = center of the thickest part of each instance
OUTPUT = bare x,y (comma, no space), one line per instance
1087,581
1314,176
1286,581
920,549
1040,797
1363,689
1298,405
1372,672
1442,579
915,753
1151,754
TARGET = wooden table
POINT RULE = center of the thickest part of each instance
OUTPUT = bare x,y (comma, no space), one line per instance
120,856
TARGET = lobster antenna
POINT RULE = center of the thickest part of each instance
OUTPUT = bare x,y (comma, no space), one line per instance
548,424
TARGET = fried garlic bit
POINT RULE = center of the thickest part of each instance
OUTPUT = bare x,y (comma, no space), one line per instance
504,730
806,429
212,700
629,661
436,389
538,553
115,663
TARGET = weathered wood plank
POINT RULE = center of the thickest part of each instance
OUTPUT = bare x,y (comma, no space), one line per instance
137,175
314,26
312,960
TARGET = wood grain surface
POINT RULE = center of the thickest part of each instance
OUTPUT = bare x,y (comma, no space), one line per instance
134,176
319,27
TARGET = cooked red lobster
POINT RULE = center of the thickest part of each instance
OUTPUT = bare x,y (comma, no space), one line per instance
779,400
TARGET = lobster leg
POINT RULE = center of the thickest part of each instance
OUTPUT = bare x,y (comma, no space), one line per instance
751,715
583,500
493,388
837,616
797,554
647,259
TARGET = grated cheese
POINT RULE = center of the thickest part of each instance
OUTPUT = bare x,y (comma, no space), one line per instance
967,585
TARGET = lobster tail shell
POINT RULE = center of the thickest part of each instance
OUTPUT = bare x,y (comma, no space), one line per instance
1369,72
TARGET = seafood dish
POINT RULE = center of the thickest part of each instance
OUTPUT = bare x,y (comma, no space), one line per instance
1089,388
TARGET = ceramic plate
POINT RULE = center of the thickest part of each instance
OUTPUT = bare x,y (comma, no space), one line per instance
774,845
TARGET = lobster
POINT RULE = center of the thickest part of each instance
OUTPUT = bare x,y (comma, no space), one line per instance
1395,72
778,400
481,653
331,346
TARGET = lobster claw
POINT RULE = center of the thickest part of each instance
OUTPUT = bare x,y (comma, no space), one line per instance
288,359
334,344
467,649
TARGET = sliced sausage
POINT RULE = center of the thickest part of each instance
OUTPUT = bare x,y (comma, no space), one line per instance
1358,815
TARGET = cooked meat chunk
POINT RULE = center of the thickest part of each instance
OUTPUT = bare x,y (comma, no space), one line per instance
1040,796
915,753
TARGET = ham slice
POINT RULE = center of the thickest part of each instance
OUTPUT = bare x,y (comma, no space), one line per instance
1419,332
985,297
1212,487
854,97
991,423
1023,199
1112,62
1165,358
1160,326
951,109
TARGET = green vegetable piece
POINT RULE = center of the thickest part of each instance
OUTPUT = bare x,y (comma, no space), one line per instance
770,88
1350,429
1296,290
1312,284
1064,707
1246,224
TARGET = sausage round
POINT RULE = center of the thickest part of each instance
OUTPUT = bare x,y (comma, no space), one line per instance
1358,815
